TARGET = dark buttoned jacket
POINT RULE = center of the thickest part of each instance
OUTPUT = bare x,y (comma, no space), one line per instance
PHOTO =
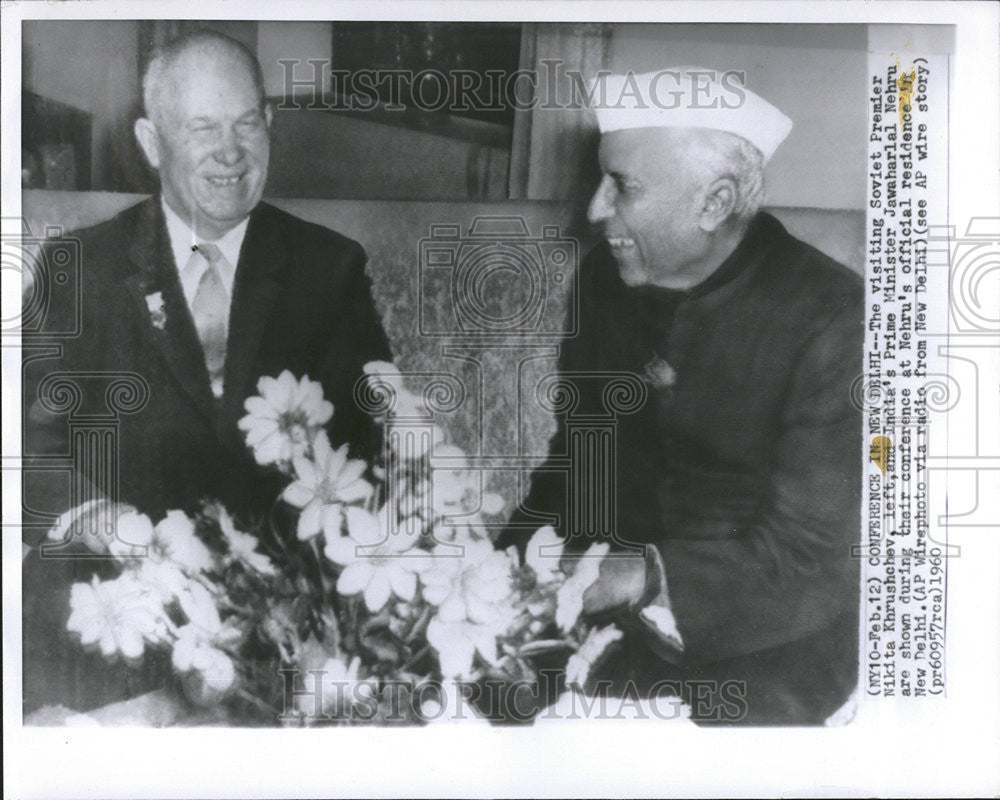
301,302
742,467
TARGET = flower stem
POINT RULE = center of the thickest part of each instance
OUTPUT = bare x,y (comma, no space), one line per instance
415,657
243,694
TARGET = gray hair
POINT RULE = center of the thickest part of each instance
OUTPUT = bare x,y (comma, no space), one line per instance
726,155
165,56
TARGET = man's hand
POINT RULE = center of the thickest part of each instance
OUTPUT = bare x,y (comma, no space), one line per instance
88,528
622,582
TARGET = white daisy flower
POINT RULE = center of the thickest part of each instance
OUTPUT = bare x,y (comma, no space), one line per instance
377,562
175,538
118,617
323,485
284,417
474,598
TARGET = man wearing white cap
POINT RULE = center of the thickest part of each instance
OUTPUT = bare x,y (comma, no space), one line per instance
739,479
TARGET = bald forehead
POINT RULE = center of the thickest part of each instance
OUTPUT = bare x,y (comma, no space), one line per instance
198,62
209,58
211,52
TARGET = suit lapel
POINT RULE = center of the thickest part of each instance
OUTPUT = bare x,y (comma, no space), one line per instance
176,337
262,259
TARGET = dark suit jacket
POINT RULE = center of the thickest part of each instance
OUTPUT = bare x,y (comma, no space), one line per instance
746,473
301,301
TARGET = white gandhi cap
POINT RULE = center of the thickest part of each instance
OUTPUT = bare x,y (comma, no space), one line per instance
688,97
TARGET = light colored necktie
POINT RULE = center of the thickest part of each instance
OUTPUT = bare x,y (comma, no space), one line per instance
210,310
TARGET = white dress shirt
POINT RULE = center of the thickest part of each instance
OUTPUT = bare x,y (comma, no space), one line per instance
182,244
183,239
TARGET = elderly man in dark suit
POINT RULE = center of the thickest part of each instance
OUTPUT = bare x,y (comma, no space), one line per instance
199,292
738,482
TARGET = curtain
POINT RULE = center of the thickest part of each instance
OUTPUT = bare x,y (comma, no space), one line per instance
554,149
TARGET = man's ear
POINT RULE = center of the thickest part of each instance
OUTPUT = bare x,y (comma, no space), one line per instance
149,141
720,200
268,114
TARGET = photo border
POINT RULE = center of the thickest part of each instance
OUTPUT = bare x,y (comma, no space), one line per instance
945,747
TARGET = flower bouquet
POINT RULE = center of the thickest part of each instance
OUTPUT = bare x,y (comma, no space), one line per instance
369,593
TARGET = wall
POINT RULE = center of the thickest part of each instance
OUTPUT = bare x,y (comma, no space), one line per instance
814,74
299,40
328,154
92,67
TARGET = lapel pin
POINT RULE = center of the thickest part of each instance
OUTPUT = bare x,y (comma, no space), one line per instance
157,313
659,373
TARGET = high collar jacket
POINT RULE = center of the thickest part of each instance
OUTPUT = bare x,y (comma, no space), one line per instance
743,464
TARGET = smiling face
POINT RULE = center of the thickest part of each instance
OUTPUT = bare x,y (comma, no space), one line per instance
649,205
209,139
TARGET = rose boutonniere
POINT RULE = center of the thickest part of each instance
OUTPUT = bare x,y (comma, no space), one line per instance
157,313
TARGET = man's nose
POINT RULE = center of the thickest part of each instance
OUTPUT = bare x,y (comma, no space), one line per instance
229,150
600,207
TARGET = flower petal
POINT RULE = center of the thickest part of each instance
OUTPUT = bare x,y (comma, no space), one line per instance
322,413
354,492
406,537
543,552
270,449
364,526
108,643
378,591
199,606
452,609
492,504
341,550
331,519
131,643
334,460
485,639
349,470
305,470
183,653
479,611
298,494
257,429
260,408
435,593
355,577
267,387
449,487
321,448
309,521
404,583
93,631
455,651
285,389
